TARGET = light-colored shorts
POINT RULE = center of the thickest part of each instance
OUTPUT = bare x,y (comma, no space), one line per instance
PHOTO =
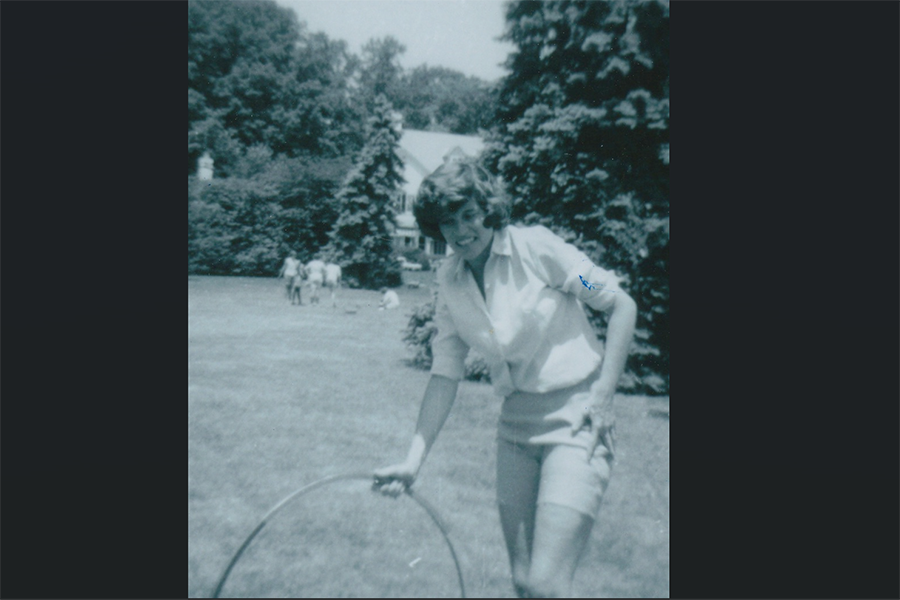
538,458
557,474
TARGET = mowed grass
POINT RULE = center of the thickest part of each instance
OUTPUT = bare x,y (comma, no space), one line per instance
280,396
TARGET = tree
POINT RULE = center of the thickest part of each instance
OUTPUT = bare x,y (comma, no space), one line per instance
240,57
380,70
274,106
441,99
257,77
582,142
361,239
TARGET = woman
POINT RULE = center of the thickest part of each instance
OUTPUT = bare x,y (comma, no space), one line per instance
315,273
289,270
514,294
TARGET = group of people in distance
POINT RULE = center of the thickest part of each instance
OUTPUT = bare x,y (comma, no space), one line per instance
317,274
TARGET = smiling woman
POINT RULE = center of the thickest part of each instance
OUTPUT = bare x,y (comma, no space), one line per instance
515,295
465,231
453,186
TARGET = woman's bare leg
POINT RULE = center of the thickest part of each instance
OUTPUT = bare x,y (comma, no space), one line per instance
519,475
560,536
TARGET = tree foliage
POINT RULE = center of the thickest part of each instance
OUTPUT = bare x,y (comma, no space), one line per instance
272,104
380,70
247,223
441,99
361,239
581,140
256,77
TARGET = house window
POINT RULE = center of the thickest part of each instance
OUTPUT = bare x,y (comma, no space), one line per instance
440,248
422,243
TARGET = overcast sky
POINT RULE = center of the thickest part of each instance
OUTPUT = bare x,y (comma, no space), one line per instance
457,34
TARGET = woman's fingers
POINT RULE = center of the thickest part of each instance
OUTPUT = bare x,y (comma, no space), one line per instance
609,440
391,481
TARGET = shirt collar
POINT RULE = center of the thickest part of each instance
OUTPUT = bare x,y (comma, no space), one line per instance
499,245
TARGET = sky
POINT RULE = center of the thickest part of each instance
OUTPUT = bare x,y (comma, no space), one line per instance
457,34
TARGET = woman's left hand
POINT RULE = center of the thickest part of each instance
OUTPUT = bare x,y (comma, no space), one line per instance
599,416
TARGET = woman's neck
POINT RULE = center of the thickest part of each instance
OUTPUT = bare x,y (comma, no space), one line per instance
476,265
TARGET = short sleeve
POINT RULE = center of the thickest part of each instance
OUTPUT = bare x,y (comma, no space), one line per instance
447,348
567,268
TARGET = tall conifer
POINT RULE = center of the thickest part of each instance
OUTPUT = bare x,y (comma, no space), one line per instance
360,240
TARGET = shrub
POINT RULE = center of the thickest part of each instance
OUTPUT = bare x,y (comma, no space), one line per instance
420,332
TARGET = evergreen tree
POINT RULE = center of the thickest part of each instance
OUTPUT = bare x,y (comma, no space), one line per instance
582,142
361,238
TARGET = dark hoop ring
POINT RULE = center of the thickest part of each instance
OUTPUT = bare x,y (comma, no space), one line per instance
308,488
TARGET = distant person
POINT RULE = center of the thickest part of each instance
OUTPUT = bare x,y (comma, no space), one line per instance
288,270
297,285
333,280
515,294
315,275
389,299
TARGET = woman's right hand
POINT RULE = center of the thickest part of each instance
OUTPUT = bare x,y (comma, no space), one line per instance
393,480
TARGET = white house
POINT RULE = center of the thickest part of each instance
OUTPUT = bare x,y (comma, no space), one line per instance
423,152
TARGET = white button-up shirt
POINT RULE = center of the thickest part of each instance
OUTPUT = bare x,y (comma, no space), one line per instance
530,325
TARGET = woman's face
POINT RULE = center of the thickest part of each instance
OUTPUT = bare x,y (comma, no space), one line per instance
465,232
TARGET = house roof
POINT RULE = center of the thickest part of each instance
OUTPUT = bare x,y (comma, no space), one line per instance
424,151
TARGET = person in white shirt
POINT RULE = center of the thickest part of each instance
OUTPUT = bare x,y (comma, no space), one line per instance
297,285
389,299
288,270
515,294
315,275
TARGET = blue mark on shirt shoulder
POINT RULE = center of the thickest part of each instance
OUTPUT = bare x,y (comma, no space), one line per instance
590,285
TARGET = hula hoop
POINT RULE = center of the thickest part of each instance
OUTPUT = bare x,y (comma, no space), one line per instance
331,479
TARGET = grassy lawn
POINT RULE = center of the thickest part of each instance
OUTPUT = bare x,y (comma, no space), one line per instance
280,396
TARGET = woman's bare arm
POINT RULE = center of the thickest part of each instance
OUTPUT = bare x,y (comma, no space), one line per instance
436,404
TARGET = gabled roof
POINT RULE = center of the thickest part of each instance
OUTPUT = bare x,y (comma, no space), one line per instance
424,151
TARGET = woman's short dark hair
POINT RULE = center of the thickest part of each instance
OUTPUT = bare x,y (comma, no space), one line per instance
450,187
